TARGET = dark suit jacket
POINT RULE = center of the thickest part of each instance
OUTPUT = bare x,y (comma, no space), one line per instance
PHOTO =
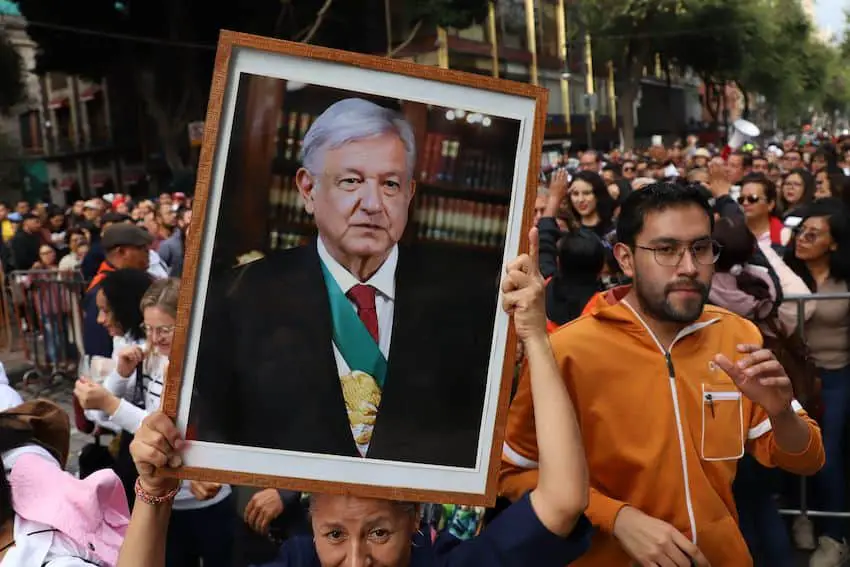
266,375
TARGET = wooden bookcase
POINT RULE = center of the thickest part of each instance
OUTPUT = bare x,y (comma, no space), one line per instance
463,173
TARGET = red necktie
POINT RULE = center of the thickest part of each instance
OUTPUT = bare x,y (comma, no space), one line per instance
363,297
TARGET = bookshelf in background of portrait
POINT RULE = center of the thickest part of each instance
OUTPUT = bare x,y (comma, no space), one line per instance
463,174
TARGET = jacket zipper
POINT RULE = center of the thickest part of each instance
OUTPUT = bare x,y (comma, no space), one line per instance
671,373
674,392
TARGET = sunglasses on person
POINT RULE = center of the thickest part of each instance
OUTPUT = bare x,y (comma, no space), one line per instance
751,199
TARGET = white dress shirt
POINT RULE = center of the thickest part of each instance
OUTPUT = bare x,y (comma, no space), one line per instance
384,283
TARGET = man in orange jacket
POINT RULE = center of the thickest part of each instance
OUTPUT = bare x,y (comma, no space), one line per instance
669,395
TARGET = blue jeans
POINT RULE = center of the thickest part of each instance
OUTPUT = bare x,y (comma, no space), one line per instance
55,338
829,482
206,533
761,525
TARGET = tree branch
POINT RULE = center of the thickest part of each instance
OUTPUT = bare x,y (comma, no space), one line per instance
318,22
285,5
745,112
410,37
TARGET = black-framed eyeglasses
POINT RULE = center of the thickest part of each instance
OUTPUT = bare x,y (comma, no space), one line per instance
704,252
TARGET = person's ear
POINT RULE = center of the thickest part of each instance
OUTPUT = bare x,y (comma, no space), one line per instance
306,185
625,258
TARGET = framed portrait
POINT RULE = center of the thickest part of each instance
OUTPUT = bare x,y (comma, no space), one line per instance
339,326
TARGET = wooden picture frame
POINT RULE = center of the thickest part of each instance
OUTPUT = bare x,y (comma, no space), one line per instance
247,147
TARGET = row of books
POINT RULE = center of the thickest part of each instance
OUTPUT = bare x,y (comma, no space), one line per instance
437,218
284,240
448,161
291,128
285,204
461,221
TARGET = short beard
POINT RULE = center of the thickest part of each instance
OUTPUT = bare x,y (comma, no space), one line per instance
662,310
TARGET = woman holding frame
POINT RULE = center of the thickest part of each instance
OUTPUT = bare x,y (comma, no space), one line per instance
545,528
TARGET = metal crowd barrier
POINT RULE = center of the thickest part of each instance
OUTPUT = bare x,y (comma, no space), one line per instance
801,330
47,307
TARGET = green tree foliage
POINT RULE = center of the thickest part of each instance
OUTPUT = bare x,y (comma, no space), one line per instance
12,86
696,34
765,47
171,73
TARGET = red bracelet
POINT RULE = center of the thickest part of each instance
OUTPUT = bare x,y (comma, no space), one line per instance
149,498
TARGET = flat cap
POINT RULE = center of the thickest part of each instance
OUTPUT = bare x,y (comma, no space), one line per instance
123,234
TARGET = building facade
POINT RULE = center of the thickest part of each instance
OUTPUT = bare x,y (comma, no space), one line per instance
64,130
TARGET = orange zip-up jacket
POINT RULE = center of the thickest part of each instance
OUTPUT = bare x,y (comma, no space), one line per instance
663,429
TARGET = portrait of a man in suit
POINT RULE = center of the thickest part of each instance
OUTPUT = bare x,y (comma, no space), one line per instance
354,344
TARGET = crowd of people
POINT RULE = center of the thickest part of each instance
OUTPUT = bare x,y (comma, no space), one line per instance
678,451
780,232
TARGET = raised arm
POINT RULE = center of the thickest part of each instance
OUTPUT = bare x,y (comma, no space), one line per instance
562,488
156,445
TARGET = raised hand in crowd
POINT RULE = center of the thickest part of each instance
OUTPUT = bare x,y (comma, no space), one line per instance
763,380
263,508
562,487
129,358
559,187
718,177
93,396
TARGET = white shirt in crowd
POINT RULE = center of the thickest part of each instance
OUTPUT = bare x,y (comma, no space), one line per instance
129,416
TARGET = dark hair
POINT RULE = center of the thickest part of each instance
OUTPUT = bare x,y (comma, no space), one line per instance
839,229
768,186
581,255
808,184
124,290
746,158
657,197
837,181
829,154
605,204
613,168
738,246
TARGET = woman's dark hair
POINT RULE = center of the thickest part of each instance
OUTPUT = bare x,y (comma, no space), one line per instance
124,290
738,246
605,204
837,182
839,228
829,154
653,198
808,185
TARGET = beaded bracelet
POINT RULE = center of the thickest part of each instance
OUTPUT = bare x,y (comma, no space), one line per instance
152,500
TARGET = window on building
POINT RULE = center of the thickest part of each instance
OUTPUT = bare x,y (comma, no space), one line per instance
30,126
511,25
547,29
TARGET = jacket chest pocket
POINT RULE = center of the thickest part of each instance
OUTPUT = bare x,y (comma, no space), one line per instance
722,425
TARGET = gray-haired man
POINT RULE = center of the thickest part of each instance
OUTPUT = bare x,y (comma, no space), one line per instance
352,345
